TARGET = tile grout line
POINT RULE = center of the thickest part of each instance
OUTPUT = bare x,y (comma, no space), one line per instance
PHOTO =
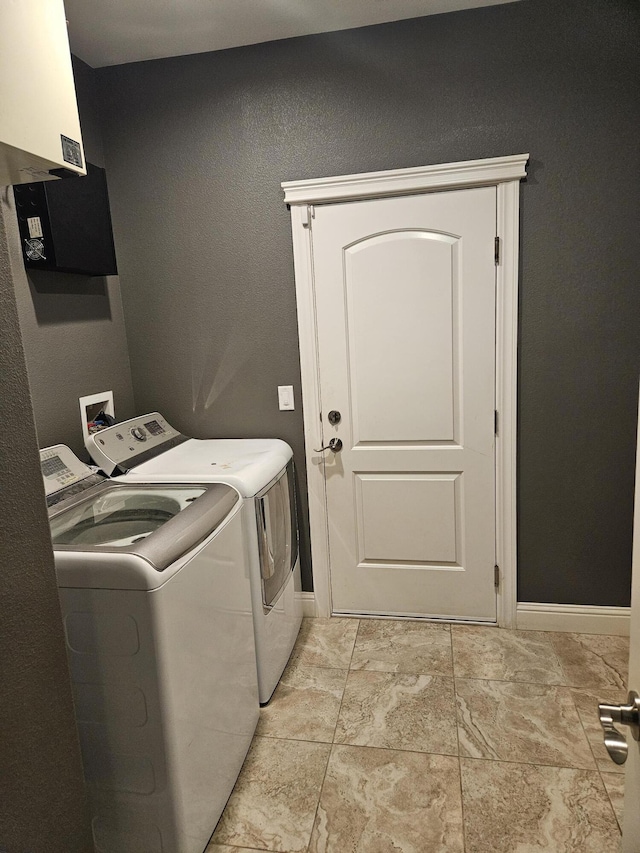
575,704
331,745
455,710
315,814
335,728
615,813
599,771
296,740
287,740
529,763
591,769
518,681
557,766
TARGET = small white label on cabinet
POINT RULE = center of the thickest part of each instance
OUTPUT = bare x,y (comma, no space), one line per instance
35,226
285,398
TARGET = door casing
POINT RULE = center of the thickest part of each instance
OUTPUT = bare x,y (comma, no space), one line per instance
505,173
631,821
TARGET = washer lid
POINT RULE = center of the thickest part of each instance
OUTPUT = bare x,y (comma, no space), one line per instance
158,523
148,449
248,464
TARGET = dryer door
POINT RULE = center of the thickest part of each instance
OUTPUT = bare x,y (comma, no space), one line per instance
277,534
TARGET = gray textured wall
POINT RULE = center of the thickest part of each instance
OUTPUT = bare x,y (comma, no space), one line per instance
72,326
42,795
196,148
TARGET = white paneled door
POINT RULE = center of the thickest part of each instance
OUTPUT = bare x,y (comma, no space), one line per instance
405,292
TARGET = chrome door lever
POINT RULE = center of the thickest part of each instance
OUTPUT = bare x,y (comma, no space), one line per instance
626,715
335,445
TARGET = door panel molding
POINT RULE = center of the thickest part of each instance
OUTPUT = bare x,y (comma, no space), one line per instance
505,174
437,326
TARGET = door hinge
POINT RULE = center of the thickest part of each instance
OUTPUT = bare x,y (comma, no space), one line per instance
496,250
496,576
308,213
495,421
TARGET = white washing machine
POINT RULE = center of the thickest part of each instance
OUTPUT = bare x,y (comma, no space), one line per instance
156,603
149,449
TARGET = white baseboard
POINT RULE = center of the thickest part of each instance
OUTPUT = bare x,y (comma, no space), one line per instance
531,616
308,603
575,618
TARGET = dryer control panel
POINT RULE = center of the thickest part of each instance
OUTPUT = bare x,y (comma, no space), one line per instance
122,446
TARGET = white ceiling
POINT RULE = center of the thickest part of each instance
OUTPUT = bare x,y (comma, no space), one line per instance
112,32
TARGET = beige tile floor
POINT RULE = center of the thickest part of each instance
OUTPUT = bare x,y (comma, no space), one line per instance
406,737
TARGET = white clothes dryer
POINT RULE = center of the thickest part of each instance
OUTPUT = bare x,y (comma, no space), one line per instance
156,603
149,449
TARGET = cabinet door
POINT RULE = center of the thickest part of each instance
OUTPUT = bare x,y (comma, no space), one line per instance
39,124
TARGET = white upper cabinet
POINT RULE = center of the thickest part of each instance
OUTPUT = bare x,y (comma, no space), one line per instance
39,124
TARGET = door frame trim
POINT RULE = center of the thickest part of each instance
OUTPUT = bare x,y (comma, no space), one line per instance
505,173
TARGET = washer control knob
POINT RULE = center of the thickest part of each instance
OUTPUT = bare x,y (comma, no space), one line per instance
139,434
